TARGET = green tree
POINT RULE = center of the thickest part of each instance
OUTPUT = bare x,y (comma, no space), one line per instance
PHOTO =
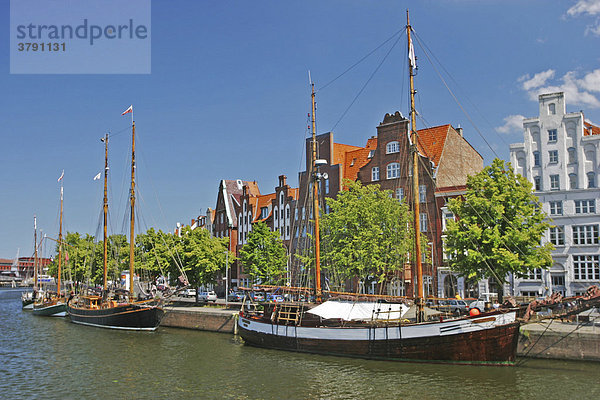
499,227
367,233
203,256
264,257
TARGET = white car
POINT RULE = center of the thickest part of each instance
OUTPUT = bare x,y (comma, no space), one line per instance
189,292
207,296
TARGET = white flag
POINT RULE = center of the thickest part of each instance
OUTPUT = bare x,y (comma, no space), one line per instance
97,176
61,176
129,110
411,54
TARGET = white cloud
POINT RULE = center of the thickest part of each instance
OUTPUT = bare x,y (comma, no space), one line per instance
590,7
538,79
577,91
512,123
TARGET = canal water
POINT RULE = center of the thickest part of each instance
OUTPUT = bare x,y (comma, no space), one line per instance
51,358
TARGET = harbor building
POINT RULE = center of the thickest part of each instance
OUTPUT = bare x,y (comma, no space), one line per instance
559,156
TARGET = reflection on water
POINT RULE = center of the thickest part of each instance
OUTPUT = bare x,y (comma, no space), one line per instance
51,358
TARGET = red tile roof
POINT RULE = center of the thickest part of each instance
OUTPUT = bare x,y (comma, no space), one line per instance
589,127
260,202
431,141
357,159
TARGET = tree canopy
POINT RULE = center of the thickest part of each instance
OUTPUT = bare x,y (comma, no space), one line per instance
264,257
367,233
499,226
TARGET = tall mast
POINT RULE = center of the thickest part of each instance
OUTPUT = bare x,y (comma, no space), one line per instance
105,209
415,174
132,216
316,197
35,254
60,241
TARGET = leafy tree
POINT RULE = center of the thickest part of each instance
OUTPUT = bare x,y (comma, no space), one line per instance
203,256
499,227
367,233
264,257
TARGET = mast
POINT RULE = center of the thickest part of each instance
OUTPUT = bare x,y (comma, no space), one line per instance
132,212
60,242
415,174
35,254
316,198
105,209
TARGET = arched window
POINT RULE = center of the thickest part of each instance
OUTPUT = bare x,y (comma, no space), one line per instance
393,170
393,147
591,180
572,181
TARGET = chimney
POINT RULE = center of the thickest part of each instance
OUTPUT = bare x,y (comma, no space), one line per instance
282,180
459,129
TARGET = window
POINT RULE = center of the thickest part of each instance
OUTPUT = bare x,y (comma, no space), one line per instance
586,267
536,159
448,216
556,208
554,182
591,180
392,147
537,183
375,174
551,109
400,194
281,197
585,234
552,135
327,186
423,222
534,275
572,181
558,279
371,153
553,156
585,207
422,193
393,170
264,212
275,214
557,235
281,215
572,155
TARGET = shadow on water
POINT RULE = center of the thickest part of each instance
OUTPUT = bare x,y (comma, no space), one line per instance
51,358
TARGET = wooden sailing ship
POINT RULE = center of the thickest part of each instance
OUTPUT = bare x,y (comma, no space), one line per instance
28,298
384,331
117,309
47,303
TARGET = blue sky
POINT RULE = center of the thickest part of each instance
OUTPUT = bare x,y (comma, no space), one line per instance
228,98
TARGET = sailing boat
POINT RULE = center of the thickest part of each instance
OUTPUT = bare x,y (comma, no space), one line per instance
54,304
382,330
114,310
28,298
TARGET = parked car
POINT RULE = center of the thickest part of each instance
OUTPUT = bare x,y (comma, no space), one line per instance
205,297
189,292
275,298
483,300
235,296
458,307
258,296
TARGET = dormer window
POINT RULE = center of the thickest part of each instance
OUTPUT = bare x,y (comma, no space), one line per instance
393,147
371,153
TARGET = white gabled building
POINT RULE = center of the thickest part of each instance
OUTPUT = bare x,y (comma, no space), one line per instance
560,156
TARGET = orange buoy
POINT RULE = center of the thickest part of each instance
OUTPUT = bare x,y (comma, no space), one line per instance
473,312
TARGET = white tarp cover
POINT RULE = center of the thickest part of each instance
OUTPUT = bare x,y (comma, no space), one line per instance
359,311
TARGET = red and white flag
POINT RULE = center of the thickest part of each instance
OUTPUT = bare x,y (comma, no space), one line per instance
61,176
129,110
